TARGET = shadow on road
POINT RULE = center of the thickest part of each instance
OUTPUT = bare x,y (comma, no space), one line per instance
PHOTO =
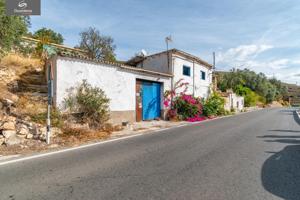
281,173
296,118
280,130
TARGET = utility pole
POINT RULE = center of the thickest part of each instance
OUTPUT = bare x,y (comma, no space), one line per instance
168,39
214,61
50,95
214,77
49,51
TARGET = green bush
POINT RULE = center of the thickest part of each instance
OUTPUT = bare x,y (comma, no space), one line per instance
270,89
91,102
214,106
250,97
55,116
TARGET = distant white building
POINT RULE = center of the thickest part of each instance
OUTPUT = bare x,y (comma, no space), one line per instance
233,101
182,65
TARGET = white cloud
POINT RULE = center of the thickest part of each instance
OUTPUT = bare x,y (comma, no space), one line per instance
246,56
273,64
243,53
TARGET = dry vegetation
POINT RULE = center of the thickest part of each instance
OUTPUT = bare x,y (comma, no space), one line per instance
20,72
20,62
77,135
27,106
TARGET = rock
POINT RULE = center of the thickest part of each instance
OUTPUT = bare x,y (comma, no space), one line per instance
10,125
22,125
2,140
14,140
7,102
9,133
9,119
9,98
53,146
35,131
54,132
27,118
118,128
25,124
23,131
79,126
42,131
29,136
22,136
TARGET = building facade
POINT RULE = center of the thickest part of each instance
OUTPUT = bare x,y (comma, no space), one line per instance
233,102
135,94
183,66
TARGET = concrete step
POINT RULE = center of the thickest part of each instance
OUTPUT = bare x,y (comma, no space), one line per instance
25,87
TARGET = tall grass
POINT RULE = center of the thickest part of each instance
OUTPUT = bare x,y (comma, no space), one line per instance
16,60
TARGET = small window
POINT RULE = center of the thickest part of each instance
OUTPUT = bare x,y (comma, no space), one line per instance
186,70
203,75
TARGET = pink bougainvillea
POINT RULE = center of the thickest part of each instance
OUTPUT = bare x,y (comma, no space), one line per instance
196,119
182,106
189,98
170,94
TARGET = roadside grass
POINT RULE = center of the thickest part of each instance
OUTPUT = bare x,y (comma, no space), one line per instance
18,61
77,135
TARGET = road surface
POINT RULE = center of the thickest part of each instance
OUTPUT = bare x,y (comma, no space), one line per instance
253,156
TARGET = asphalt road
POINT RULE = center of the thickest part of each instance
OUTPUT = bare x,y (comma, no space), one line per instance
253,156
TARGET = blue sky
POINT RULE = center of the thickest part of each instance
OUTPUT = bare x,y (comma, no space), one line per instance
263,35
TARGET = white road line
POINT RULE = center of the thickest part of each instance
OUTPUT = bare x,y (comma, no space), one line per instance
84,146
104,142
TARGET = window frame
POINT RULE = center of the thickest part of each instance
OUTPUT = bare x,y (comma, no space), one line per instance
201,75
183,70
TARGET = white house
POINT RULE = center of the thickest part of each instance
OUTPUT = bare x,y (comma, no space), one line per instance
233,101
135,94
182,65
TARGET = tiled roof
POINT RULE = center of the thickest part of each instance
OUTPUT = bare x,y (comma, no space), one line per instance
117,64
138,59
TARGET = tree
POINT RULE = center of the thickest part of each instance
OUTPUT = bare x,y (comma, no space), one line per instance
238,80
98,46
12,29
48,36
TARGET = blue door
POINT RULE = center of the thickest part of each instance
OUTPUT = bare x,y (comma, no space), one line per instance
151,100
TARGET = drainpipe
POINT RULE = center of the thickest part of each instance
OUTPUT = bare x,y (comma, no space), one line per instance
172,78
193,78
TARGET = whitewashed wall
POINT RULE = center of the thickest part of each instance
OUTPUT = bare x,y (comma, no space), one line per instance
119,85
158,63
234,101
201,87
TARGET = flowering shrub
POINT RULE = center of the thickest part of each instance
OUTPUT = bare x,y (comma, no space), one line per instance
196,119
170,94
187,106
183,106
172,114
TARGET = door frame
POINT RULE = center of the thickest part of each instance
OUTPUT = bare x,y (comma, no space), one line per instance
139,96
